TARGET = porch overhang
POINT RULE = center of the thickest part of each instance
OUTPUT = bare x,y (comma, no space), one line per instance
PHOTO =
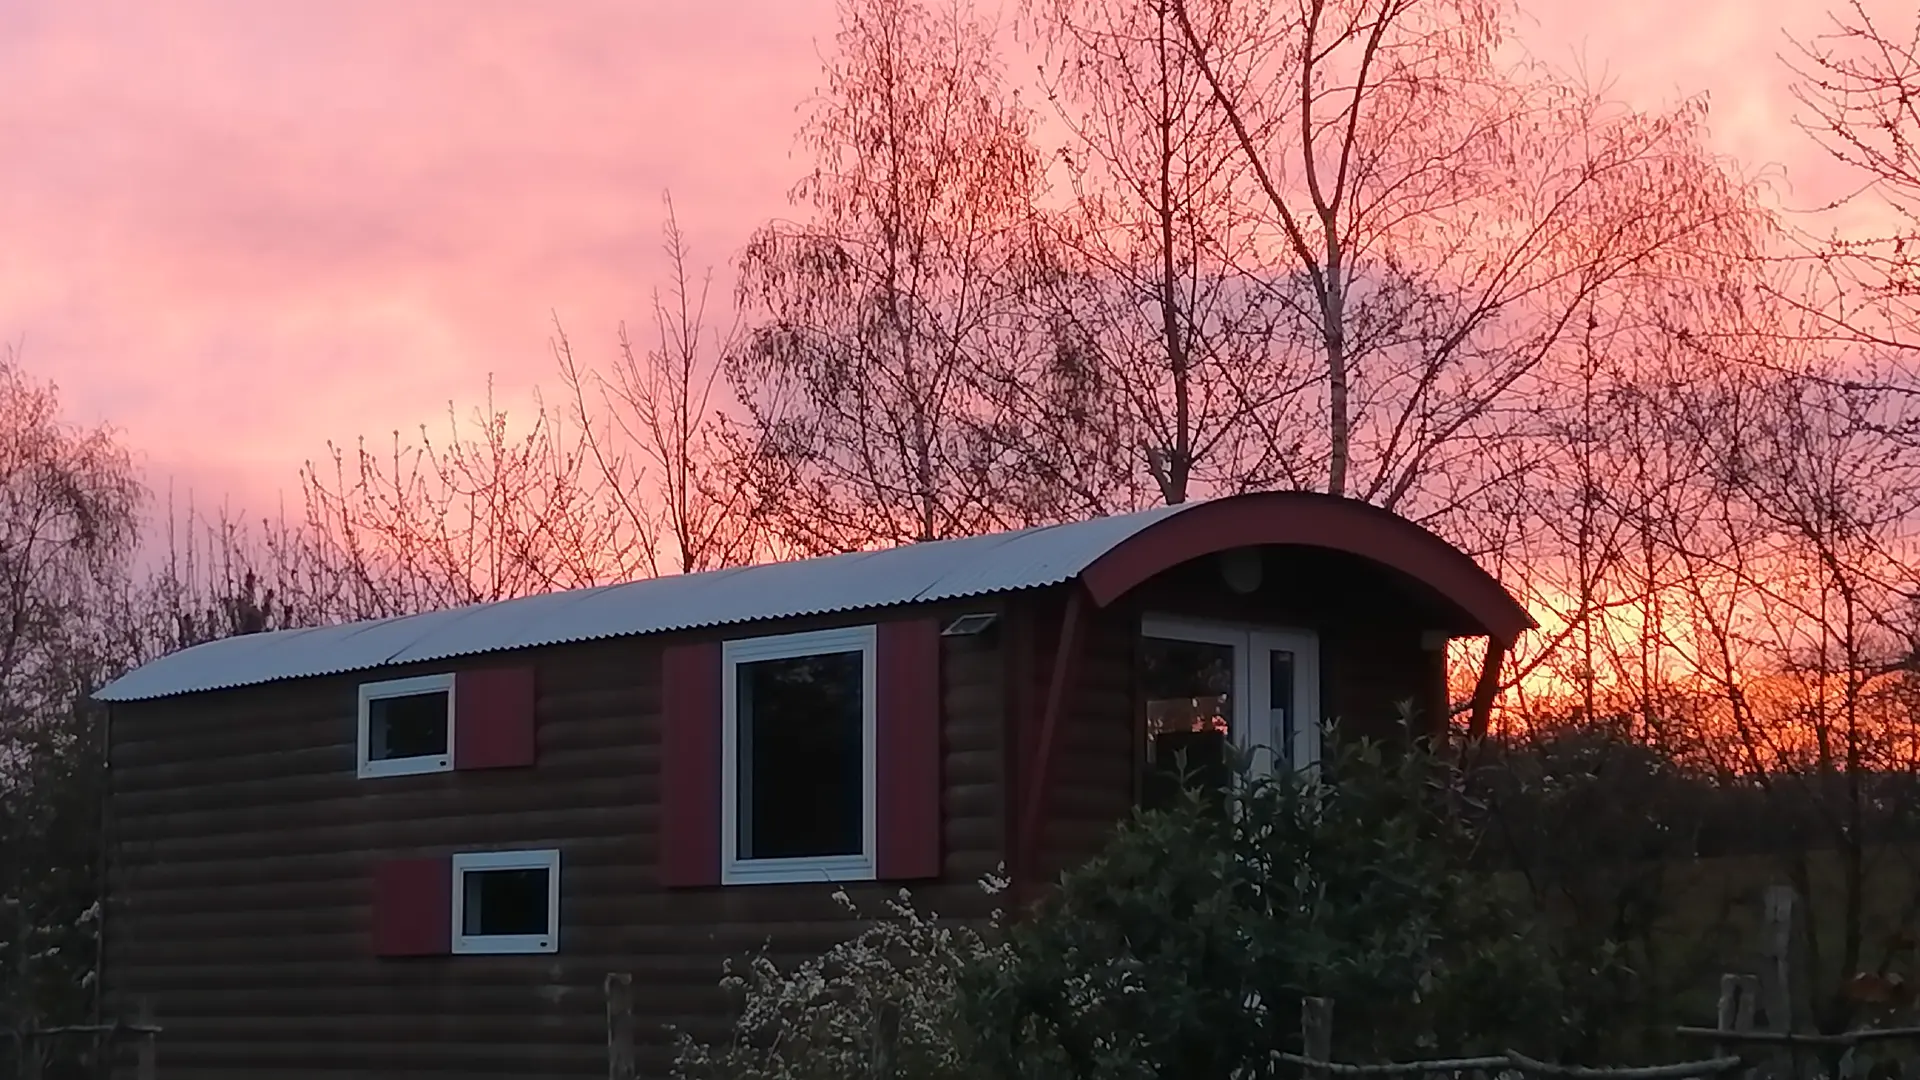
1310,519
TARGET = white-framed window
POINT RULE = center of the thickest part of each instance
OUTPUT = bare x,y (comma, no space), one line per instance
506,902
797,745
406,726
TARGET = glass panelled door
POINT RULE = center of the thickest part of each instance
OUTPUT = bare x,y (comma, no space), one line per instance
1209,686
1284,698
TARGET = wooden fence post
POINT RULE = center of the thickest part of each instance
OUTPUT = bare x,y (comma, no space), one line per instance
620,1065
144,1063
1776,975
26,1047
1736,1010
1316,1033
1776,951
1738,995
886,1041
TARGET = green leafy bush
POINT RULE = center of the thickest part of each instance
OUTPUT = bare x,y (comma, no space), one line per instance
1185,948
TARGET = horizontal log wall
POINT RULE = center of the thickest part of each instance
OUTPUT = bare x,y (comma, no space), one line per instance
243,845
1090,773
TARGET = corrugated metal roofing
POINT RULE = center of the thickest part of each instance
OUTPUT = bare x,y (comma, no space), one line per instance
941,570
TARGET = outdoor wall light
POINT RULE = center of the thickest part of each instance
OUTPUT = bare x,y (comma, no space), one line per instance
969,625
1241,568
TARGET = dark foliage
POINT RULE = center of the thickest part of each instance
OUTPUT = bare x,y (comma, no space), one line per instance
1185,948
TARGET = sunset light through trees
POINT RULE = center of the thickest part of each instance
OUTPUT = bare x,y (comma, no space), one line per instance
1082,257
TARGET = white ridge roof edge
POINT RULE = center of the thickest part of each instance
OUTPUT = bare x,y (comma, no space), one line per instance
916,573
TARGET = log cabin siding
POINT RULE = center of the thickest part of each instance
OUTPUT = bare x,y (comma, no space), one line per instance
244,843
243,847
1376,668
1089,787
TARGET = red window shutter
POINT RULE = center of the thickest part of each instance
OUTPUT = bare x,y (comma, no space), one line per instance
689,828
413,907
908,751
493,718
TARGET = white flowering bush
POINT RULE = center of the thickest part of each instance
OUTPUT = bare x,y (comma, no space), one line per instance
823,1019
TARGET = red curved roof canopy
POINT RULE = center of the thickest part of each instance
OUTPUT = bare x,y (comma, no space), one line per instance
1312,520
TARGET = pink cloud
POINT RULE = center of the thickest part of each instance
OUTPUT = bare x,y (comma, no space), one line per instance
1655,51
239,229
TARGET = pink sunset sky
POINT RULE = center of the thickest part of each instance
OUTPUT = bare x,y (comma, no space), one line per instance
238,229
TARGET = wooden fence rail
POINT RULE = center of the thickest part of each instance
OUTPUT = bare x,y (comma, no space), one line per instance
1316,1038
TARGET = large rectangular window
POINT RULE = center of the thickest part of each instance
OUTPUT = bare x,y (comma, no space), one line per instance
798,746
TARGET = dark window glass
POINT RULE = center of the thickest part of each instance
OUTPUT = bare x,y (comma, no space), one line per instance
404,727
500,902
800,756
1280,692
1188,686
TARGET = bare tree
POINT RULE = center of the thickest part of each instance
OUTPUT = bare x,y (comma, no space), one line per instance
487,515
1451,220
68,506
658,411
69,503
1859,82
1153,243
222,575
1448,234
1798,618
873,317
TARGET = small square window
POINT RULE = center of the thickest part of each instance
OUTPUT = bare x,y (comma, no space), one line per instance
406,726
506,902
798,740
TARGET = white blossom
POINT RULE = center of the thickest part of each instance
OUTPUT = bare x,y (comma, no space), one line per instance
818,1019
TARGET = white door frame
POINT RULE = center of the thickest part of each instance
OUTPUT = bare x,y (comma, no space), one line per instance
1252,697
1304,709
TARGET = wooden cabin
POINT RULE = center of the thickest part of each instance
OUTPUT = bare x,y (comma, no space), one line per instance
418,846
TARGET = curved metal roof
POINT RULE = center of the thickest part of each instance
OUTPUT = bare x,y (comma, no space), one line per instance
915,573
1111,555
